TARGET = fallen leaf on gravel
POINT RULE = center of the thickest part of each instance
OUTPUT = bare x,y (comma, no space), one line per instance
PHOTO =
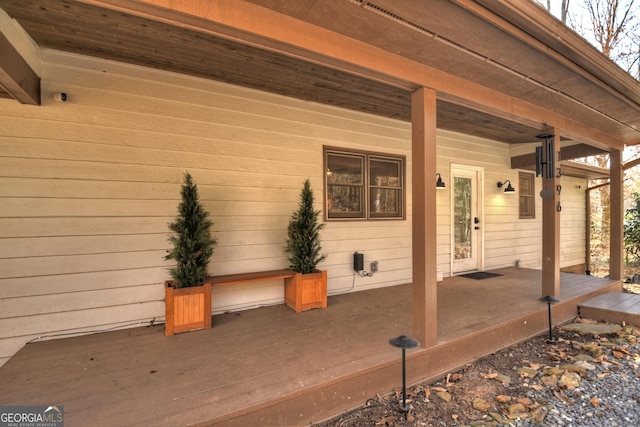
618,354
480,404
595,402
439,389
525,401
386,421
534,365
489,376
503,399
457,377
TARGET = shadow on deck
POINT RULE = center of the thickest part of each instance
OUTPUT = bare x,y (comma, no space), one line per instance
271,366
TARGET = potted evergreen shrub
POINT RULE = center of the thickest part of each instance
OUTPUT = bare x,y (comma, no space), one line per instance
187,297
307,288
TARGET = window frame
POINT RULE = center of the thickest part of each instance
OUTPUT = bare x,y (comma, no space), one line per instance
366,186
526,210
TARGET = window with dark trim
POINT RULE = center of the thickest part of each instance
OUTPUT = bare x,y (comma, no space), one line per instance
526,189
363,185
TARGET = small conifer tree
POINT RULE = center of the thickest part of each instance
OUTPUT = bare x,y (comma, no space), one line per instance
303,242
191,238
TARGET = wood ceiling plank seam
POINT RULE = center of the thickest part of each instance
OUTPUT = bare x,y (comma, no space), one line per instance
103,2
507,68
544,32
149,44
171,65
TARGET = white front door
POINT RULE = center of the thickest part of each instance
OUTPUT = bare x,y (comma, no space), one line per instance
466,254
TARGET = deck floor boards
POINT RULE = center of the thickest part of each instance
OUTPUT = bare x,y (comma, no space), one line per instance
249,358
613,307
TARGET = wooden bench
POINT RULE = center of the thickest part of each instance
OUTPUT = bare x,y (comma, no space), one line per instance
298,295
234,279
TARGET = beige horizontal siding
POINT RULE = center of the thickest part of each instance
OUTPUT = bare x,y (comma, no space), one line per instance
89,186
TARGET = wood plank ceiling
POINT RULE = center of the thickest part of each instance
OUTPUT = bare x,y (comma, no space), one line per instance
479,52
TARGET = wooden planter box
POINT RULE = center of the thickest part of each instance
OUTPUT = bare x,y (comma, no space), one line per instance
306,291
186,309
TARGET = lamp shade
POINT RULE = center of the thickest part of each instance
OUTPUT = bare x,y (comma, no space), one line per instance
509,188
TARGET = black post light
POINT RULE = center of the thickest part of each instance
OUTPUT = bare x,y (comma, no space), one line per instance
509,188
549,299
404,342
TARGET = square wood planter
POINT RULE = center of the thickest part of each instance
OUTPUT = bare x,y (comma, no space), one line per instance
186,309
306,291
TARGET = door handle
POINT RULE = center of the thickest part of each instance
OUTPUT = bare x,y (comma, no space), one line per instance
476,228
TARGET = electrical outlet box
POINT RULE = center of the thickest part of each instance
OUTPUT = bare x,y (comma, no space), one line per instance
374,266
358,261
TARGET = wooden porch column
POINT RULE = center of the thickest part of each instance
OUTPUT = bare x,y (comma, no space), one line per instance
551,208
616,237
425,291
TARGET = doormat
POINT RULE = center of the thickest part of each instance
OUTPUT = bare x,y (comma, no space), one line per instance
480,275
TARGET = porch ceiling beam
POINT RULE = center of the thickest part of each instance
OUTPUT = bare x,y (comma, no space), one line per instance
570,152
16,77
261,27
631,164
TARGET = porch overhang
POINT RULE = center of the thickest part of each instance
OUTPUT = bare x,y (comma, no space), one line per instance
501,70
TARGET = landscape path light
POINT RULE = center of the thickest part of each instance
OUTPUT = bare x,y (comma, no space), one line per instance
404,342
550,299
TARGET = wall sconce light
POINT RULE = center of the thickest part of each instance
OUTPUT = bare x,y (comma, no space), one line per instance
439,183
509,188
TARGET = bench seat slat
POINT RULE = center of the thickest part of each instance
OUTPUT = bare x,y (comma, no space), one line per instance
232,279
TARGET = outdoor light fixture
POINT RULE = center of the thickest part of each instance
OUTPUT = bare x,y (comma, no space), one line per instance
549,299
439,183
404,342
509,188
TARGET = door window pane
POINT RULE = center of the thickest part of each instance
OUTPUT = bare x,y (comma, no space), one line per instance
462,217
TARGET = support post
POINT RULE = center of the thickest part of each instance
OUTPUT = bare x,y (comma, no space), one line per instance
616,236
551,208
425,292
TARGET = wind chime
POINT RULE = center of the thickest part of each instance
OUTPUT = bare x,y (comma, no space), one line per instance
546,163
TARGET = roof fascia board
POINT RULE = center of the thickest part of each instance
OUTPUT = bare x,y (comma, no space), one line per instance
535,26
261,27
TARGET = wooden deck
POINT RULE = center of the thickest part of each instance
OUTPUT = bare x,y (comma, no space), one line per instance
271,366
613,307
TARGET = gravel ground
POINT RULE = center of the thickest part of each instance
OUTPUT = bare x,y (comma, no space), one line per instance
587,378
608,395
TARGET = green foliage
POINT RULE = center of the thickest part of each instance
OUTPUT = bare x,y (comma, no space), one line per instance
192,242
303,242
632,229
